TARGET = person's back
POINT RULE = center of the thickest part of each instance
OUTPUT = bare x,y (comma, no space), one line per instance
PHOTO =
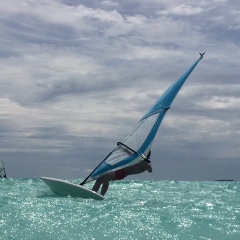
138,168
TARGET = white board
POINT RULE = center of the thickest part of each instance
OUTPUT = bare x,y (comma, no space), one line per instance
65,188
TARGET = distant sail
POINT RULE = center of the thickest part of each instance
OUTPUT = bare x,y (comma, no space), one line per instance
2,171
135,147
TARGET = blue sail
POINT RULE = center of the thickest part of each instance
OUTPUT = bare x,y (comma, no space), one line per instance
135,147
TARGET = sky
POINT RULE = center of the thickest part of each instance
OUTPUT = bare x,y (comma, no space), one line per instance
77,76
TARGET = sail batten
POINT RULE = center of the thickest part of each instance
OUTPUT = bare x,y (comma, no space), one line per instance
138,143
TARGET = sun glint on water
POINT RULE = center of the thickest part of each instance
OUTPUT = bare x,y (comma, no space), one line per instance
131,210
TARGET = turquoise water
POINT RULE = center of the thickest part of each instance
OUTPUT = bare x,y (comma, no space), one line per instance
132,210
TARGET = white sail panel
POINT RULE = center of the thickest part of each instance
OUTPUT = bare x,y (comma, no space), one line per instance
134,140
140,133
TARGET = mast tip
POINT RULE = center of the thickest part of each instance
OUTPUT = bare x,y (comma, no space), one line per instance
201,54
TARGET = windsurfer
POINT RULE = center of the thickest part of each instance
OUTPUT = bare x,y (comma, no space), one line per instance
122,173
2,170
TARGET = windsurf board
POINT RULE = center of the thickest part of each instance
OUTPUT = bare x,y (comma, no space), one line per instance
66,188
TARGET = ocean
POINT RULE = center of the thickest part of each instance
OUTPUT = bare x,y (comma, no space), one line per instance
132,210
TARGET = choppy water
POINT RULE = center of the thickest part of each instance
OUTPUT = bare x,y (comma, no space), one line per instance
132,210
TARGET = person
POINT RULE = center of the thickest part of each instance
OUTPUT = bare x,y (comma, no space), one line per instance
121,174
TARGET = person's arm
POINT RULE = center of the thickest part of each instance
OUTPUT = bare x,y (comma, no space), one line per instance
149,167
148,162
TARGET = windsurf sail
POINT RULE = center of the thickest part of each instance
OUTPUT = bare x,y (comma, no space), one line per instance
136,146
2,171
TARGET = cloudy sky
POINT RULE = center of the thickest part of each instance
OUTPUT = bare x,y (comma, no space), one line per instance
77,76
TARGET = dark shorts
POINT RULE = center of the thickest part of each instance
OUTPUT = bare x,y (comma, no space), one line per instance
120,174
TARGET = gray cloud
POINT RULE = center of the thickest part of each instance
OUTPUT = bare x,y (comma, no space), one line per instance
76,78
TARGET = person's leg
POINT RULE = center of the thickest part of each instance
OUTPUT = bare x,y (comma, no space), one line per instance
105,184
97,184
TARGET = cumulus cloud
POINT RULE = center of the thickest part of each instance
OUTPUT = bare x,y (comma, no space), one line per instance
76,78
183,10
